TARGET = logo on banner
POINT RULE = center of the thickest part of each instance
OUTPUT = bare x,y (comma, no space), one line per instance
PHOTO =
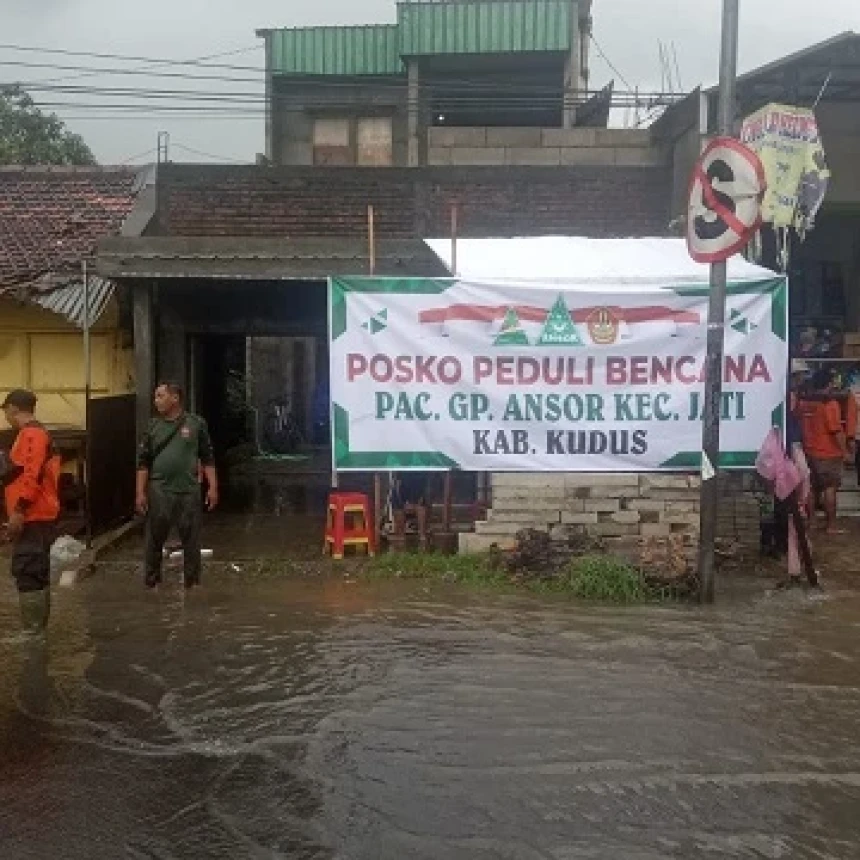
559,330
603,326
511,333
740,323
377,323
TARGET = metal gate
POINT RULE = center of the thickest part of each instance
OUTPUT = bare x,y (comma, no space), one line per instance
111,450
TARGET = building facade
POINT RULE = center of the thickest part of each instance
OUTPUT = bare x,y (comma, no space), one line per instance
457,82
50,221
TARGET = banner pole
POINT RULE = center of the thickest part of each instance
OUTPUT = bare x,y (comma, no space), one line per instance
448,490
335,479
709,499
371,266
88,389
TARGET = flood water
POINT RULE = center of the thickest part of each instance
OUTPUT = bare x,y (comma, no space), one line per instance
288,719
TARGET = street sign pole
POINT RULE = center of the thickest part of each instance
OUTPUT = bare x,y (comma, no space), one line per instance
716,329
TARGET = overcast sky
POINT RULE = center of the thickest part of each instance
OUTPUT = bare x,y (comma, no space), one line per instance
628,31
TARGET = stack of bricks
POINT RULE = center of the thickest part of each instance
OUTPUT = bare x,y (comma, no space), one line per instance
625,511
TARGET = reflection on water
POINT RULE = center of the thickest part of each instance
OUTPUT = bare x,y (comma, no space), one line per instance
333,720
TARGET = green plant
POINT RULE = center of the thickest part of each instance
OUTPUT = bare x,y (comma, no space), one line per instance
603,578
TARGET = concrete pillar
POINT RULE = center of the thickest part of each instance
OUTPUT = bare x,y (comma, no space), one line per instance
144,353
269,97
172,353
576,62
414,104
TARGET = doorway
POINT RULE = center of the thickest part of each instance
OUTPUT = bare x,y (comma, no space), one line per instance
217,389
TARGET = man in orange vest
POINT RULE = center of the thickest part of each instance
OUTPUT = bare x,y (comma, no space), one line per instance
824,441
30,475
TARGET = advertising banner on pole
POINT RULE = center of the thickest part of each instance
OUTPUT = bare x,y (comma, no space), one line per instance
438,374
788,142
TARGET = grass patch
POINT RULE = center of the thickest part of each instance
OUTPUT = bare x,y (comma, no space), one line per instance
603,578
599,578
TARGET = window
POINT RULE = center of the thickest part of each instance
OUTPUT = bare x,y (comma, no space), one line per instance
365,141
331,142
375,141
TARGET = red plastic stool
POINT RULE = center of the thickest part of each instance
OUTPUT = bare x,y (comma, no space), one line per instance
340,534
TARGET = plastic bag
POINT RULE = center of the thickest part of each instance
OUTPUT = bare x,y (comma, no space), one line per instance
65,551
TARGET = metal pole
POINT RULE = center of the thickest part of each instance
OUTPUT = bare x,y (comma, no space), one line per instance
455,217
716,326
371,257
88,374
448,491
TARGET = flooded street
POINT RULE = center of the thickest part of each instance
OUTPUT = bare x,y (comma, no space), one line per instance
305,719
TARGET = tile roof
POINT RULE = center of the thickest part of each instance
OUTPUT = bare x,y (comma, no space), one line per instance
51,218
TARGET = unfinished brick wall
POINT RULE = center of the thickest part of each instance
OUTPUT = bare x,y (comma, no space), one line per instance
543,146
621,509
625,511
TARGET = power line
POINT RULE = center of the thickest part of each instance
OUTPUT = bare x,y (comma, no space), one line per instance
123,57
139,155
194,151
306,79
285,102
611,64
89,72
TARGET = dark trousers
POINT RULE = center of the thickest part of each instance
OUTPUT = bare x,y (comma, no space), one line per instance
167,509
31,557
857,460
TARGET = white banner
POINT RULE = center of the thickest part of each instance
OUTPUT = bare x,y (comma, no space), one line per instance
436,374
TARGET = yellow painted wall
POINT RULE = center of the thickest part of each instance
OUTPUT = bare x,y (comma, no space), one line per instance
41,351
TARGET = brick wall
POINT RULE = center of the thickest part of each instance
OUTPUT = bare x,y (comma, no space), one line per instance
543,146
626,511
596,201
621,509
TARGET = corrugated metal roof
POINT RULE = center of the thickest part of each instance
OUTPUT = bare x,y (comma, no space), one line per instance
68,301
369,50
489,27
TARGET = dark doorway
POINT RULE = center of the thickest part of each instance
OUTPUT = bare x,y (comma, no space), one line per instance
218,381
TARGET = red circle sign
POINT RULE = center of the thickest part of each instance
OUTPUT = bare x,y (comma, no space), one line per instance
724,209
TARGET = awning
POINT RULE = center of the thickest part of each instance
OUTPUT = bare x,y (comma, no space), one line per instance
638,263
67,300
240,258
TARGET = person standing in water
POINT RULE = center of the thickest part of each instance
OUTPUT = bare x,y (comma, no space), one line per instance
172,453
824,442
31,476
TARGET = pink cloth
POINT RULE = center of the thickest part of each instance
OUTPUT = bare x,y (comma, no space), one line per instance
774,466
804,497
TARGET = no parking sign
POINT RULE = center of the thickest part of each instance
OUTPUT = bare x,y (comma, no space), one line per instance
724,208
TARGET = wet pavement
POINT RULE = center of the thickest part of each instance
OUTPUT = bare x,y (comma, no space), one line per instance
319,718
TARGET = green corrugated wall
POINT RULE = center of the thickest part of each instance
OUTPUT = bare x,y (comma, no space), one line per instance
489,27
493,27
336,51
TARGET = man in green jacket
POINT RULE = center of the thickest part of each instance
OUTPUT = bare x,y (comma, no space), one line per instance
175,447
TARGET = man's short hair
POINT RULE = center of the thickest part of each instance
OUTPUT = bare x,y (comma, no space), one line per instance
822,379
21,399
173,387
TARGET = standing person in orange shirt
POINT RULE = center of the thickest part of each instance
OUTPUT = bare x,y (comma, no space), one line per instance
824,442
31,476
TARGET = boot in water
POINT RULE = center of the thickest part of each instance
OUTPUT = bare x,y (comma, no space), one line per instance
35,610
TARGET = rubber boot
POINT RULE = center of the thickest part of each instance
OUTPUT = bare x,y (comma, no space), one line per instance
35,610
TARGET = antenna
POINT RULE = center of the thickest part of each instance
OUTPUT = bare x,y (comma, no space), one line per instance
163,147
